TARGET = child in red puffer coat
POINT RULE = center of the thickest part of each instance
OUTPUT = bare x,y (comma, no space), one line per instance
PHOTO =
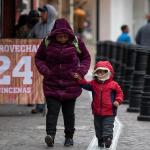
107,96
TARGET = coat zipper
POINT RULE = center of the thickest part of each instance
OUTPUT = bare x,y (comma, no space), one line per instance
60,65
101,93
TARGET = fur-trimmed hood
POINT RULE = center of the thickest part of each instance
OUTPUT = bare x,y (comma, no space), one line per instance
104,65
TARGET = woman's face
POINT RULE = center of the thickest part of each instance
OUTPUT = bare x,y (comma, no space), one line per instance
62,38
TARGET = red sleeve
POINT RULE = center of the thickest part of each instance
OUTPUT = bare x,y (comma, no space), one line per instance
119,94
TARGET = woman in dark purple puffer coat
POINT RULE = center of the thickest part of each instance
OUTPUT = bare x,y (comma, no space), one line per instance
58,61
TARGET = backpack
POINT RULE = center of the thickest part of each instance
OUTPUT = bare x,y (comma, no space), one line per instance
75,43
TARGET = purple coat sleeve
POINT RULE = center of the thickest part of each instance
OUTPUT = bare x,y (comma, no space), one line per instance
85,59
40,60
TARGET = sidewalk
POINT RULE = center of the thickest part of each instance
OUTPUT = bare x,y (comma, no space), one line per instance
20,130
27,132
135,134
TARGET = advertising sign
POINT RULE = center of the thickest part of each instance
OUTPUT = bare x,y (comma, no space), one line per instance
20,82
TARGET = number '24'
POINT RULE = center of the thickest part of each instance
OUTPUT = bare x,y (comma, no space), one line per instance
16,72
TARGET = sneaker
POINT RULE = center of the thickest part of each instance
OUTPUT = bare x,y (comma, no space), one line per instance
100,143
68,142
49,140
108,142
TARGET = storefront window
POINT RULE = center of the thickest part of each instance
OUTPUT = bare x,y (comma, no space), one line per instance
22,7
0,18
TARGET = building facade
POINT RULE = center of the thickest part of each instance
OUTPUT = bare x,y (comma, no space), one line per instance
114,13
105,17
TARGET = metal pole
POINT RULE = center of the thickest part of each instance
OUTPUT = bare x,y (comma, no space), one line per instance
60,8
1,18
71,13
97,19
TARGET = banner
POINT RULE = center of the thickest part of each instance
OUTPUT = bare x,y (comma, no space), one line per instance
20,82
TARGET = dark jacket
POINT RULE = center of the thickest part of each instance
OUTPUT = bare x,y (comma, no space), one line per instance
104,93
58,62
143,35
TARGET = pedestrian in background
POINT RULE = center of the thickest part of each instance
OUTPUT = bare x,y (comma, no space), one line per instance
41,30
21,27
124,37
33,19
143,34
58,58
107,96
26,23
80,18
48,17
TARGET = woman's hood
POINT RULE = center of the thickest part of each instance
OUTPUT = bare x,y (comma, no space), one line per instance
61,25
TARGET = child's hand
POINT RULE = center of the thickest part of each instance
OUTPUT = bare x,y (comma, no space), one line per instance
77,76
116,104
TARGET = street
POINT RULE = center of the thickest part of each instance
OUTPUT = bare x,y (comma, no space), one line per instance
21,130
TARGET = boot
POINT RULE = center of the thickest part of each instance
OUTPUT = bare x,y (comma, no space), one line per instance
49,140
100,142
108,142
68,142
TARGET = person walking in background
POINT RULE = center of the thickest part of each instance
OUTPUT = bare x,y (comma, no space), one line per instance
21,27
59,56
48,17
26,23
41,30
79,17
107,96
33,19
124,37
143,34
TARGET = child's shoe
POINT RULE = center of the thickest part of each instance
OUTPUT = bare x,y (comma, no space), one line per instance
49,140
100,142
108,142
68,142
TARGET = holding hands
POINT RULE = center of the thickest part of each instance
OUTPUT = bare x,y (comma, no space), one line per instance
77,76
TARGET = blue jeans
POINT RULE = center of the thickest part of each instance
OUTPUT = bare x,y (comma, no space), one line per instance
40,107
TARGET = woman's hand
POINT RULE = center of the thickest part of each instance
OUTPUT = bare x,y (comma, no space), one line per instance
77,76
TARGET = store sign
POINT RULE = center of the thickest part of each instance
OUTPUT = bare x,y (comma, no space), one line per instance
20,82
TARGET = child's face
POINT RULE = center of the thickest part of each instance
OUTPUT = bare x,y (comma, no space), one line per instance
101,72
62,38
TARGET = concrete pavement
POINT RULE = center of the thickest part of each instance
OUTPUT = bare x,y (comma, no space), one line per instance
23,131
135,134
20,130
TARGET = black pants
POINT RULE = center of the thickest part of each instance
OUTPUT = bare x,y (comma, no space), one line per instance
68,107
104,126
